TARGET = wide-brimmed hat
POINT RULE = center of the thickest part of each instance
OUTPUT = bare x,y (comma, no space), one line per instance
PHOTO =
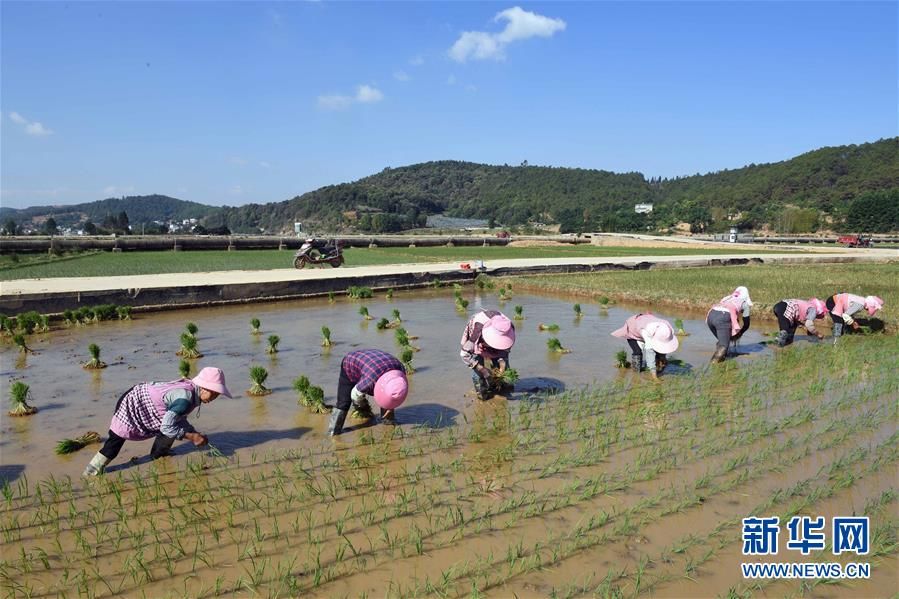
499,332
820,307
873,304
391,389
743,294
661,337
212,379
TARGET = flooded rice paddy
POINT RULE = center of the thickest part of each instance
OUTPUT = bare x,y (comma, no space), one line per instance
586,480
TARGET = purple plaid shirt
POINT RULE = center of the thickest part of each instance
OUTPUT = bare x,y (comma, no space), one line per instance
365,366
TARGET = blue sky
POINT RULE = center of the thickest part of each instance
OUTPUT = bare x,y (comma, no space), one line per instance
230,103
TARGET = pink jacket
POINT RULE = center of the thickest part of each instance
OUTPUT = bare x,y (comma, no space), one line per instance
841,302
732,304
633,326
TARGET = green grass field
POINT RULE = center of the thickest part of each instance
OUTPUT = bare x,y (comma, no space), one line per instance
91,264
700,287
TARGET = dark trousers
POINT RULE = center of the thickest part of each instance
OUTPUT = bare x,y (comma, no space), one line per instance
344,389
114,443
719,323
635,348
834,317
784,323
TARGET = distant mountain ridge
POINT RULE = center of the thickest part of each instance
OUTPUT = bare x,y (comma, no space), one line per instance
819,188
140,209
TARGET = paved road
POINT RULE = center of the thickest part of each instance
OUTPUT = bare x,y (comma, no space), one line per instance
238,277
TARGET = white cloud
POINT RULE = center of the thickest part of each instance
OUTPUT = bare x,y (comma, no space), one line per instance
520,25
365,94
401,76
31,127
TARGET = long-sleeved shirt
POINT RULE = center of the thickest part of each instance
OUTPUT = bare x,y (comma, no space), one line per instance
802,311
365,366
847,304
148,409
473,346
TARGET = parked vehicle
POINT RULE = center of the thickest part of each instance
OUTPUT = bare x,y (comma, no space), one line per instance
319,251
855,241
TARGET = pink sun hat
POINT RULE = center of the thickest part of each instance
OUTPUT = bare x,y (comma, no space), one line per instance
212,379
661,337
873,304
391,389
499,332
820,307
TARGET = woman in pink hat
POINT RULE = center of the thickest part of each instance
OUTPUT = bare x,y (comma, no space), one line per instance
159,410
651,339
844,306
368,372
724,320
793,312
486,340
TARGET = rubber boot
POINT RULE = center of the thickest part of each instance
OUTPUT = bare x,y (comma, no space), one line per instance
162,446
719,355
96,466
637,362
335,425
781,338
481,388
837,331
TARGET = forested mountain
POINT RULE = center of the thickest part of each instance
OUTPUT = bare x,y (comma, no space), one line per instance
847,187
140,209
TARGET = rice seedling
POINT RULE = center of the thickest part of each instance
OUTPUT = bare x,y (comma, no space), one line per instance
189,348
273,341
555,346
72,445
621,359
483,281
68,317
401,336
547,327
461,304
29,321
258,374
331,297
363,312
389,294
505,377
406,359
396,316
301,385
355,292
45,323
577,311
184,368
679,328
123,312
326,337
384,324
255,324
435,283
316,397
10,324
19,393
519,313
192,329
94,363
504,295
604,301
19,340
86,315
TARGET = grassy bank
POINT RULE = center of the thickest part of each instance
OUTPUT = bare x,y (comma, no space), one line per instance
139,263
700,287
647,483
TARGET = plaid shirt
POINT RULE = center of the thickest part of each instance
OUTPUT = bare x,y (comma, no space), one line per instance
473,347
365,366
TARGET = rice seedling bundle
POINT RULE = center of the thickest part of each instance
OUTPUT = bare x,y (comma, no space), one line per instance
19,340
547,327
326,337
192,329
389,294
621,359
184,369
94,363
519,313
124,312
396,316
273,341
72,445
255,324
554,345
317,400
363,311
18,395
577,311
355,292
189,348
258,374
679,328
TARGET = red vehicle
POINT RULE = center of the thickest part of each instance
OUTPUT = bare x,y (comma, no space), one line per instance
855,241
504,235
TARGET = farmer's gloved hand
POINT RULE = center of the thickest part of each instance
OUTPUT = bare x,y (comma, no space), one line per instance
484,372
197,439
855,326
356,395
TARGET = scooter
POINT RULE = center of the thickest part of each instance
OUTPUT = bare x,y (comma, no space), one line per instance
318,251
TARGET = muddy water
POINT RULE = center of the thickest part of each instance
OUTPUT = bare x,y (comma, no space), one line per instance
73,401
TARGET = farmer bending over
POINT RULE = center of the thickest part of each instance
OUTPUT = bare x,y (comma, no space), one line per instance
651,339
368,372
724,320
158,410
793,312
843,306
486,341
